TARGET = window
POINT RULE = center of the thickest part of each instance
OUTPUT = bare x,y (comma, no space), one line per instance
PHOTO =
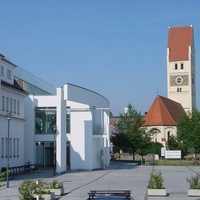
182,66
11,105
179,89
45,120
176,66
15,106
2,147
6,147
68,120
3,103
17,147
10,148
18,107
2,70
14,147
7,104
8,73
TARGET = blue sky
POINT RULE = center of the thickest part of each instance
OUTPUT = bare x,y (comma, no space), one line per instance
114,47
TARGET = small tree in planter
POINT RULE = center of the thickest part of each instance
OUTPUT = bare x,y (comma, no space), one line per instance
194,188
27,189
56,187
156,186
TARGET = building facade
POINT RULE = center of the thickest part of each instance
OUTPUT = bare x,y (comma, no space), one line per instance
66,128
162,119
181,78
77,120
12,119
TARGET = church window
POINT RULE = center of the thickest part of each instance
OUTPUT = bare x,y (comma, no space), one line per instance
179,89
176,66
182,66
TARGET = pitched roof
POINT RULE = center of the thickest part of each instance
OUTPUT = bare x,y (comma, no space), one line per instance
163,112
14,86
179,40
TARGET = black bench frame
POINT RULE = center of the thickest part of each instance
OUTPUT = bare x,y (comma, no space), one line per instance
123,193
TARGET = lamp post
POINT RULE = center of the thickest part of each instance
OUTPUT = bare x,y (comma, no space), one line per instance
8,117
54,150
154,131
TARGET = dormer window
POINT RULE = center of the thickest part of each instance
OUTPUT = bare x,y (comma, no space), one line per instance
8,73
2,70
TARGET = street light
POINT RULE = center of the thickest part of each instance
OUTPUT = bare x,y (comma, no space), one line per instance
54,150
154,131
8,117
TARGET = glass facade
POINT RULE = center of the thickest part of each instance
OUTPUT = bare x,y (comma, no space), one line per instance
45,120
31,89
68,120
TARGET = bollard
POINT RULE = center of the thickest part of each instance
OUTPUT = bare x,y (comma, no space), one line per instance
37,190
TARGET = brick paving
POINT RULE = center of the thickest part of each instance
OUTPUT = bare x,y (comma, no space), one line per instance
123,176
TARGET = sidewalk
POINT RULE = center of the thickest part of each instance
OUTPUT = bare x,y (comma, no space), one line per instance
123,176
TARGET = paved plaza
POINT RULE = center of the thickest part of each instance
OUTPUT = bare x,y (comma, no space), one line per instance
123,176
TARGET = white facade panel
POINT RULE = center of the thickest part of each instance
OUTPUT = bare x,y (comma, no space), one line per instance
89,131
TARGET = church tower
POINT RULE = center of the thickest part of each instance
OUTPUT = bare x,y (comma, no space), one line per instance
181,80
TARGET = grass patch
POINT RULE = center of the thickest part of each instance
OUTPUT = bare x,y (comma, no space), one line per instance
163,162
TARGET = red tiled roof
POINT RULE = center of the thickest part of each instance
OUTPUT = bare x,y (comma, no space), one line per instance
179,39
163,112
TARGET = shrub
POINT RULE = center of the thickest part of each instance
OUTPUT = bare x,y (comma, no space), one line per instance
194,181
3,175
55,185
156,181
27,189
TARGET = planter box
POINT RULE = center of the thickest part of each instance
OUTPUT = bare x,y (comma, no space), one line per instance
193,192
156,192
58,191
50,196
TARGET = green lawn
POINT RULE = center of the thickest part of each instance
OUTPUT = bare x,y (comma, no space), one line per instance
165,162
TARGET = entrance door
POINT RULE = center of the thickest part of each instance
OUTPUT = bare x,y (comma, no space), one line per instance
68,159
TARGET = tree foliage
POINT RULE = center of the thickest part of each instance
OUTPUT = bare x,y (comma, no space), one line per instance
189,130
173,143
128,132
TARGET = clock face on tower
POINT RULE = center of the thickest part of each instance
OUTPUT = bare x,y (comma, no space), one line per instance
179,80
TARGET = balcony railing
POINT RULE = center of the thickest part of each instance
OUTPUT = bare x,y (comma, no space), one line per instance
99,130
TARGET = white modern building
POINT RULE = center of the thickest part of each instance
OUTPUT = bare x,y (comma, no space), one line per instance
79,120
66,128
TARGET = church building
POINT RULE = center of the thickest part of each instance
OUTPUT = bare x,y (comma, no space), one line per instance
162,117
181,80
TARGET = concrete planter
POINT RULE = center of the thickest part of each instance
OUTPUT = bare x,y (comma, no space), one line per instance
59,191
156,192
50,196
193,192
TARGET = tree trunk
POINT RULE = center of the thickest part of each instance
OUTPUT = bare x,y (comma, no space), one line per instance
133,154
119,155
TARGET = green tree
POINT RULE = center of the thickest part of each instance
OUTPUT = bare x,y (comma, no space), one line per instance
128,132
189,130
173,143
